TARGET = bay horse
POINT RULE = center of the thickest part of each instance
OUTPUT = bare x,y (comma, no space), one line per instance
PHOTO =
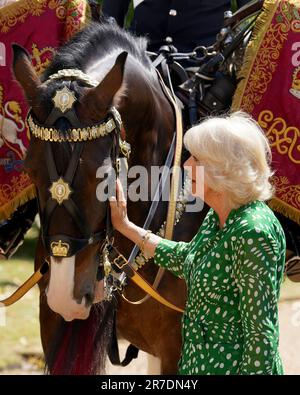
76,328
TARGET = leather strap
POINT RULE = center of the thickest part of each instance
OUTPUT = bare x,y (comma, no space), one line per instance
157,196
244,12
177,162
27,285
113,348
124,265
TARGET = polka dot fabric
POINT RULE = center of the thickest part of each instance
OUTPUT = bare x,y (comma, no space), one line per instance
233,276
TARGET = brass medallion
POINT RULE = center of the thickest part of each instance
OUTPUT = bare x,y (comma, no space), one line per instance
64,99
60,190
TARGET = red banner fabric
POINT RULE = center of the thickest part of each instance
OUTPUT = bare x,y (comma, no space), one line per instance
270,92
40,26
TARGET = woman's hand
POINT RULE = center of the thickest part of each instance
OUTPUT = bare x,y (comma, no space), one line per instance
121,223
118,208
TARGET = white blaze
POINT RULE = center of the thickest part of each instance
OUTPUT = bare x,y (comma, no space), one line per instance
60,290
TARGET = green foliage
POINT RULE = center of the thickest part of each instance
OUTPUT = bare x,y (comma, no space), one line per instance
129,15
234,5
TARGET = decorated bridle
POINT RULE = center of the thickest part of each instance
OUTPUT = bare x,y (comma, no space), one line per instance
62,245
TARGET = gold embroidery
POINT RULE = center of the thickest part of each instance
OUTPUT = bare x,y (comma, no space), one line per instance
295,89
11,125
285,139
17,184
41,64
265,63
18,12
295,24
288,192
261,62
74,12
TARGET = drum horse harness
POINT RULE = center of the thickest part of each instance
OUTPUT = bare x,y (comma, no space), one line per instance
116,271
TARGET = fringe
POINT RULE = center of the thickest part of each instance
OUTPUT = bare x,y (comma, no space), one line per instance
260,29
86,18
285,209
8,209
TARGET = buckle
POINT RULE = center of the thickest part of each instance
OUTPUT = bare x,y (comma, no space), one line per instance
118,264
125,148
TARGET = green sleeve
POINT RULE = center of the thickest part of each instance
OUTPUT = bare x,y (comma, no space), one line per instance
258,276
171,255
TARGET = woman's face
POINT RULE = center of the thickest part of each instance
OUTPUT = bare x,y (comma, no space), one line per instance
196,171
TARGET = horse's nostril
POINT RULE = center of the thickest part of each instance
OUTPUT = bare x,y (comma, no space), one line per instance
88,294
89,298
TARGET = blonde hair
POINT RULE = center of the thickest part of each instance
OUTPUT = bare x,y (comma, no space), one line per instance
235,154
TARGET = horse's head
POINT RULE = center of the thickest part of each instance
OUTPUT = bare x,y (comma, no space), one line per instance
74,131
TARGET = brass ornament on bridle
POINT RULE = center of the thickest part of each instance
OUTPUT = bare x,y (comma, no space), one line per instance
60,190
64,99
72,135
59,249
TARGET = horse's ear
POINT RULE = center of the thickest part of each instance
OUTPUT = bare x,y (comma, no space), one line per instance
25,72
101,97
112,82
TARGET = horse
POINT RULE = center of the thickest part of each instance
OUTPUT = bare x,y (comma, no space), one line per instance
76,327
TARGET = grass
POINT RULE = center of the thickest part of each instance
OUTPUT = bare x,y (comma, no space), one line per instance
21,335
289,290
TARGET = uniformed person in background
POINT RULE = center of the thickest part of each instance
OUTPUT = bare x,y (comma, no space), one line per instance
182,23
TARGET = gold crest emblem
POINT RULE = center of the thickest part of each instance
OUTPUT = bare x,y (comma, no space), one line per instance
64,99
295,89
59,248
60,190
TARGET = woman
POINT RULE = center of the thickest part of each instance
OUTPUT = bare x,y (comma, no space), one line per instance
234,265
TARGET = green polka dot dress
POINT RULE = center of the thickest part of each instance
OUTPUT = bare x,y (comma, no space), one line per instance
233,276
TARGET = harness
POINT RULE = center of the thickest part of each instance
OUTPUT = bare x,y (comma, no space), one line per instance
62,245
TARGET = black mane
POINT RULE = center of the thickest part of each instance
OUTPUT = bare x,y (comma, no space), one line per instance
93,43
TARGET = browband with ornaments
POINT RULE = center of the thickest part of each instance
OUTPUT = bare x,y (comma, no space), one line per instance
73,74
71,135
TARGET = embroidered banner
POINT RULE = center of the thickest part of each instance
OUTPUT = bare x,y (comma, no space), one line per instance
270,92
40,26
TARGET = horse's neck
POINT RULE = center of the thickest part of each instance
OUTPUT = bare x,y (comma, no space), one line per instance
146,113
149,122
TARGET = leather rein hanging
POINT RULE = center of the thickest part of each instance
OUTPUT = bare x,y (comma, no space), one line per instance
61,188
